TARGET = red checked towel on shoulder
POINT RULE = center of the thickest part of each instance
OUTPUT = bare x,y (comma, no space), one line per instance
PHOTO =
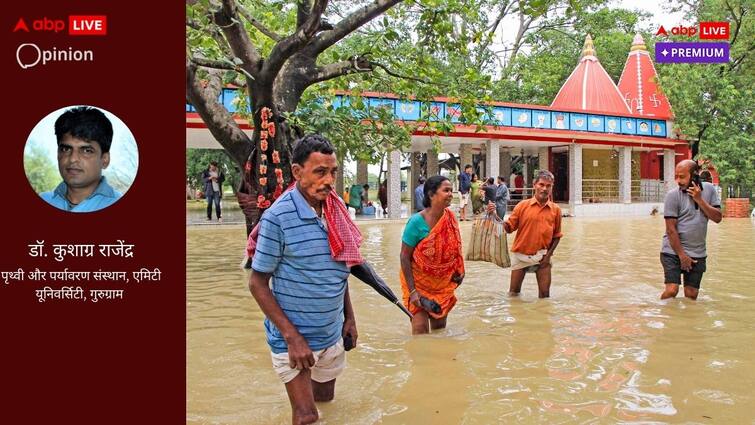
344,236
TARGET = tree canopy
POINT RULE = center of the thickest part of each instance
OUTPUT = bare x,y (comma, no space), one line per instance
714,103
292,57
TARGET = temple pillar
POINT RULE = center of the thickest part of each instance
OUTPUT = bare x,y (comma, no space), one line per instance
669,168
394,184
625,175
575,176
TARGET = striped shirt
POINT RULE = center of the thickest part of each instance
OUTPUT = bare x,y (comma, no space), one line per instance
307,283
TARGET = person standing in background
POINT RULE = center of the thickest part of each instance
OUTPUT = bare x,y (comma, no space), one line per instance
419,195
465,185
213,179
501,198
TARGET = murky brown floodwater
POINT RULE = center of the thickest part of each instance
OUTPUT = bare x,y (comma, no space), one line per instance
603,349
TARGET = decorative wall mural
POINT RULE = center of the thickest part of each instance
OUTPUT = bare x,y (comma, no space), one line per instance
612,125
413,110
521,117
578,122
628,126
560,120
542,119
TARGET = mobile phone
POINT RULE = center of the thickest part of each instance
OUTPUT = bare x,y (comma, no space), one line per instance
430,305
697,181
348,342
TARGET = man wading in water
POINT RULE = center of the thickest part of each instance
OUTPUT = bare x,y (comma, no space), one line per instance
308,310
537,222
687,210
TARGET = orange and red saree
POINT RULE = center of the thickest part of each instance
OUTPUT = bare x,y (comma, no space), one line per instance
436,258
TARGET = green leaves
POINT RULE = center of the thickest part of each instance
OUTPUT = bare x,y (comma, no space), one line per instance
448,49
714,104
197,161
357,132
40,170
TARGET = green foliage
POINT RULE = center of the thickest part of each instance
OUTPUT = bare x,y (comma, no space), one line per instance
451,48
197,160
554,51
713,104
357,132
42,173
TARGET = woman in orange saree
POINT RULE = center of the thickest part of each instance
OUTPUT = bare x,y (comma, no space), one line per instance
432,265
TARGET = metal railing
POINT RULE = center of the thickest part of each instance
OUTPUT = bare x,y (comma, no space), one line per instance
521,193
606,191
649,191
517,195
595,191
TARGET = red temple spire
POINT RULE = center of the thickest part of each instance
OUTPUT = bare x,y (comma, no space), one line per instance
590,88
639,84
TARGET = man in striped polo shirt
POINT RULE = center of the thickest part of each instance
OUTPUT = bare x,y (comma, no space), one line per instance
308,310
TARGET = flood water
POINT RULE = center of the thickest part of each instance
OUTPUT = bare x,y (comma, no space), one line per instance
602,349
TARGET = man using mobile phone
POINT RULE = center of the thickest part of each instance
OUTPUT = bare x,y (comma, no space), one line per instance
687,210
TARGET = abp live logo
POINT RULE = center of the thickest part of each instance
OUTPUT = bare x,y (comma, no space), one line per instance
77,25
87,25
707,31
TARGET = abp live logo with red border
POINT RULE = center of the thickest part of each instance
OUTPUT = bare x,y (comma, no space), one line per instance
714,30
87,25
707,31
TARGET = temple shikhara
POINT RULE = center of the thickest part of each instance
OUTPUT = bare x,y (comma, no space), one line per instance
611,147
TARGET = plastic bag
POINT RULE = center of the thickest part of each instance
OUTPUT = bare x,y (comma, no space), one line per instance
488,242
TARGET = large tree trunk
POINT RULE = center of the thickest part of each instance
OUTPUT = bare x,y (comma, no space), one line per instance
275,84
267,170
280,97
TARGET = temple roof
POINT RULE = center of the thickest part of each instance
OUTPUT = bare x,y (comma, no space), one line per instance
590,88
639,84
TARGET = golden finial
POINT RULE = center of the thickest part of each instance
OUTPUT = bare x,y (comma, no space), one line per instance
588,50
638,43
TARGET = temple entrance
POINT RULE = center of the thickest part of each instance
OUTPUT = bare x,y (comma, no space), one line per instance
561,173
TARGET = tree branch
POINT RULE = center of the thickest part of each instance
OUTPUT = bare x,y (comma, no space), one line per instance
193,24
302,11
257,24
394,74
212,32
353,65
285,48
524,26
494,27
204,97
346,26
236,36
219,64
738,61
738,21
214,64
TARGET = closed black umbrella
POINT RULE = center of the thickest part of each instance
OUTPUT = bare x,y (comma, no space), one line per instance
367,274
